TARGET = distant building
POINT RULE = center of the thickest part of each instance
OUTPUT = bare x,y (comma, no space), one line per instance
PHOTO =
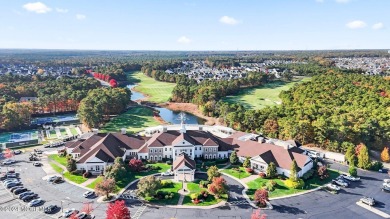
28,99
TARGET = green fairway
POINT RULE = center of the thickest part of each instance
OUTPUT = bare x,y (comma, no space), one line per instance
73,131
262,96
157,91
134,120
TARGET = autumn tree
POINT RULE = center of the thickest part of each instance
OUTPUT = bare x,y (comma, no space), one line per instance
364,161
218,187
136,165
271,128
148,186
350,151
87,208
261,197
385,157
247,162
294,171
116,171
117,210
271,170
105,187
233,157
353,160
213,172
323,172
258,215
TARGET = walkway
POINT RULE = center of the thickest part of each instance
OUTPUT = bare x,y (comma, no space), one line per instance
183,192
249,178
89,181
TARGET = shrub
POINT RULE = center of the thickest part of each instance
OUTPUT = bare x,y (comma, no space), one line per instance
376,165
270,185
309,174
196,201
294,184
204,194
194,196
87,174
166,184
249,170
169,162
352,171
203,183
262,175
221,161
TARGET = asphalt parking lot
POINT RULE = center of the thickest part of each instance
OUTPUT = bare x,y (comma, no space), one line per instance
64,194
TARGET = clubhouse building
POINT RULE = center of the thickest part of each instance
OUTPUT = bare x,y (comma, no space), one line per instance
183,144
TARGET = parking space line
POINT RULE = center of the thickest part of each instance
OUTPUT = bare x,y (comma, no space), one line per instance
373,210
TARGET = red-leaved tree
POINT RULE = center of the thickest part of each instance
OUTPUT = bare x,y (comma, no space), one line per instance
257,215
113,83
117,210
105,187
218,187
87,208
261,197
136,165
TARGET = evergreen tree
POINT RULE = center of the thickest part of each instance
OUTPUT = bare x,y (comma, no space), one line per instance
233,157
352,170
364,161
271,170
247,163
350,151
294,171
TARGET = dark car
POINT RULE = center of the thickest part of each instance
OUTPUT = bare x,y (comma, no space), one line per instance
15,188
24,194
11,185
58,180
29,197
50,209
19,191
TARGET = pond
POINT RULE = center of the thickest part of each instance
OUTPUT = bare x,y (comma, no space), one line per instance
167,114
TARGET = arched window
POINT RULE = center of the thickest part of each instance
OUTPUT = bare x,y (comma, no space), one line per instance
155,157
160,158
215,156
205,156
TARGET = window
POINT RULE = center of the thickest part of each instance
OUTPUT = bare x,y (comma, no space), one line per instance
196,148
97,168
170,149
165,149
205,156
205,149
170,156
183,142
166,156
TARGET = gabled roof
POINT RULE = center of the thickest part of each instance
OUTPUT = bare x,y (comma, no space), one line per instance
184,137
183,160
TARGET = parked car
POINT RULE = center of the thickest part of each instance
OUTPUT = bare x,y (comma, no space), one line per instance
15,188
37,164
386,184
386,188
88,194
8,162
13,184
50,209
10,180
10,171
81,215
12,175
52,178
333,187
68,212
24,194
340,183
35,202
351,178
386,180
28,198
167,173
368,201
3,176
19,191
58,180
38,152
383,170
16,152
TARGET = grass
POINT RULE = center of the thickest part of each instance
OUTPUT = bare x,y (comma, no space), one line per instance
73,131
240,175
96,181
157,91
193,187
75,178
134,120
282,190
56,168
264,95
208,163
173,201
58,159
63,132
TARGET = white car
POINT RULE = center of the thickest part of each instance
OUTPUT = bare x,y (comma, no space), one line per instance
386,184
368,201
35,202
167,173
340,183
87,194
37,164
52,178
333,187
386,180
351,178
17,152
8,162
68,212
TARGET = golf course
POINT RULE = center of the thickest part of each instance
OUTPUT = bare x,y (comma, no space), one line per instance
264,95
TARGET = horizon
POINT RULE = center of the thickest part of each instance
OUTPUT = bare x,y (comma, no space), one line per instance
173,25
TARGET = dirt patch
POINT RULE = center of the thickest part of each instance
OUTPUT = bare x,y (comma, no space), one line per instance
190,108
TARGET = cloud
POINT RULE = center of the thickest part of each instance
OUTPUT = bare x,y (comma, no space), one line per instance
184,40
61,10
37,7
356,24
80,16
228,20
378,26
342,1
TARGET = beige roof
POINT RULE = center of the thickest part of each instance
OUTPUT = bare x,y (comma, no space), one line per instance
183,160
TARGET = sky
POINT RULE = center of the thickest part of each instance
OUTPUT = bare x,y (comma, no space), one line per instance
195,24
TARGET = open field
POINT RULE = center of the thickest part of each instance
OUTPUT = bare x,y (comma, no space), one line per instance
156,91
134,120
262,96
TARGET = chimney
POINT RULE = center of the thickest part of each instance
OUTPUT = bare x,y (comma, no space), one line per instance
95,131
123,131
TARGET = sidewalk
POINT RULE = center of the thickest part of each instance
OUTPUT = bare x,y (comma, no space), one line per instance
249,178
89,181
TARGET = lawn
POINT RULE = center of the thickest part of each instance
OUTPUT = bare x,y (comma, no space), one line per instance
173,201
60,160
134,120
207,163
157,91
73,131
240,175
194,188
93,184
282,190
264,95
75,178
56,168
63,132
